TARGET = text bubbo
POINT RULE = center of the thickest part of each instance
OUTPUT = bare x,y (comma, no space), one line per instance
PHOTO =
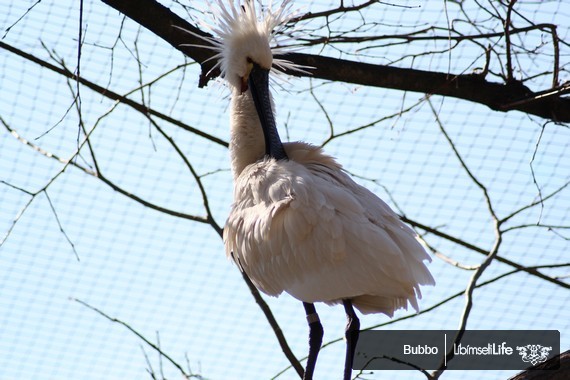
420,350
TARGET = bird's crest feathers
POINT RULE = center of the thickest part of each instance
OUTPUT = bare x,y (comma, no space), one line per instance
244,34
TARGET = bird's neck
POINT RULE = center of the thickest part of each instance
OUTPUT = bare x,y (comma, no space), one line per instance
247,143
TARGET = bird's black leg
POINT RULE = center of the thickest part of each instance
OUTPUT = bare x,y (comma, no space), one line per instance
315,339
351,334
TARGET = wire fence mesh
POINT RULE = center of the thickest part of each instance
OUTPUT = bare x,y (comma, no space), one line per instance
73,231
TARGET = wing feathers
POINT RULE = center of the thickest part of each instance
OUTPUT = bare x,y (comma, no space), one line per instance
305,227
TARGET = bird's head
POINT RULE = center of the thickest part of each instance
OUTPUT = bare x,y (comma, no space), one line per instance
242,39
245,57
245,46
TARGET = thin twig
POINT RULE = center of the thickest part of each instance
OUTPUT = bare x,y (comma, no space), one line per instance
77,98
448,259
462,162
59,225
197,178
323,110
160,365
295,363
532,204
33,195
150,370
140,336
16,219
542,129
461,242
507,27
395,115
7,30
484,265
480,250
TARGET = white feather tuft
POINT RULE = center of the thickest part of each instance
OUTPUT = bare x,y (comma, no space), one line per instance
247,31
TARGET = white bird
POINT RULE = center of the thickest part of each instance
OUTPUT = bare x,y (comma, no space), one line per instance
298,222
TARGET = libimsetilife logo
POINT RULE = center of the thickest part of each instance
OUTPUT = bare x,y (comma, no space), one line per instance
534,353
473,350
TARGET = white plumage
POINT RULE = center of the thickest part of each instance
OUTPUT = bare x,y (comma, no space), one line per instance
299,224
305,227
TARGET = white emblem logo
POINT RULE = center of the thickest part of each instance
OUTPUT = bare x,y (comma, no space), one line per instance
534,353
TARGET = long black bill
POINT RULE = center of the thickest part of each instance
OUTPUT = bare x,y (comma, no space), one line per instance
258,83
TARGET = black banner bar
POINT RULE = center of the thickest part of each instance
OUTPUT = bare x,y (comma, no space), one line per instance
478,349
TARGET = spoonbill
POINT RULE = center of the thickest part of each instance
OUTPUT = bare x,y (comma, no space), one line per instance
298,222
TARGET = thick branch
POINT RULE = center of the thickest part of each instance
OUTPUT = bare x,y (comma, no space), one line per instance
497,96
561,361
166,24
500,97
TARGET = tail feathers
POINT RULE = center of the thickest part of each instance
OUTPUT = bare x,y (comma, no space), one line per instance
368,304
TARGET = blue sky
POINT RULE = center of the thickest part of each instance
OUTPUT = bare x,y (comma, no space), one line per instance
159,273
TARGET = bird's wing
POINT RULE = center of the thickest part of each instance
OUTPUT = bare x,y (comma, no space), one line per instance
380,214
307,228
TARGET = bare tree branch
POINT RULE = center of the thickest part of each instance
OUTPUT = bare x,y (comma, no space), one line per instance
472,284
513,95
150,370
142,337
541,200
7,30
60,226
112,95
529,270
210,218
105,180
